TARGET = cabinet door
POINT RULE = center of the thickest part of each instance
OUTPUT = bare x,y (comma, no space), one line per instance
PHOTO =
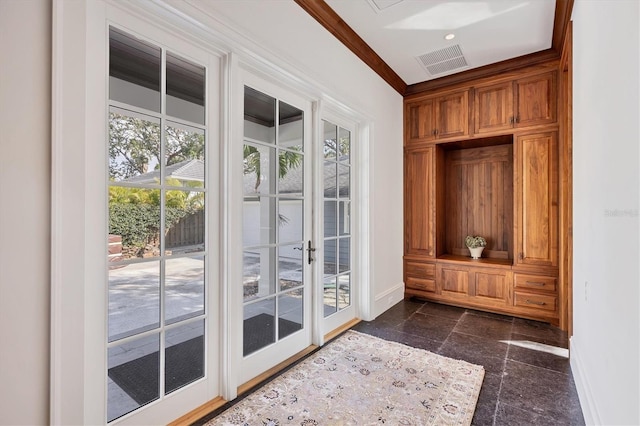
452,115
452,281
492,287
420,121
536,100
537,199
419,202
493,107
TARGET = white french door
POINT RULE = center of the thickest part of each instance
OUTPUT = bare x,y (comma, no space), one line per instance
277,254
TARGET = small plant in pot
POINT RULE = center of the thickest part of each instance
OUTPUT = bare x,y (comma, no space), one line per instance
475,244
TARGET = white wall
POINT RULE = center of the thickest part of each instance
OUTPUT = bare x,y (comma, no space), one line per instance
605,345
281,30
25,88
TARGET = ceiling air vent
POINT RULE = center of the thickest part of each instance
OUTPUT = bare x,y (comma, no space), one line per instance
443,60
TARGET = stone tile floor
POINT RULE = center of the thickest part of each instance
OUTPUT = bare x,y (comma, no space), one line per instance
527,375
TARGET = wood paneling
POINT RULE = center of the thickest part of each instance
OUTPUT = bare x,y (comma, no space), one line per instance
537,199
439,117
453,281
492,287
493,107
479,199
419,202
536,100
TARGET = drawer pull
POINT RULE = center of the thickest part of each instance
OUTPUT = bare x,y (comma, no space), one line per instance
538,283
533,302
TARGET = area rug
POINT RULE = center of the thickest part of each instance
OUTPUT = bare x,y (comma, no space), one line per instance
362,380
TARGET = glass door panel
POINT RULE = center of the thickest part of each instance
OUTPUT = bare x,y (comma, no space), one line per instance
273,222
336,218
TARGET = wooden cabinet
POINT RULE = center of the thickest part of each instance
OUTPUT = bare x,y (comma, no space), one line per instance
473,285
437,117
501,182
536,293
515,104
536,200
419,223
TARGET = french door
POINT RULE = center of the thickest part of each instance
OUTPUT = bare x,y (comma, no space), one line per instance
277,229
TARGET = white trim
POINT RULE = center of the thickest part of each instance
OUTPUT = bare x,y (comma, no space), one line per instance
388,298
583,387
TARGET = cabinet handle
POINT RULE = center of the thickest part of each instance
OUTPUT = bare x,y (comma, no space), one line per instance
512,119
435,132
518,118
533,302
538,283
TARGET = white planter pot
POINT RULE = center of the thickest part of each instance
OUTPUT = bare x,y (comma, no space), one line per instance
476,252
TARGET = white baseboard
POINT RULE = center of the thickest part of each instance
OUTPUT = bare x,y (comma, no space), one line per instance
587,403
387,299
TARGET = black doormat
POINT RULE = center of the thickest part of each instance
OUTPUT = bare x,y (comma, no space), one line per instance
260,332
140,378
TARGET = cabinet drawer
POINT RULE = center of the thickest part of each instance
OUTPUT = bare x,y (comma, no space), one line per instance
540,302
421,270
535,282
421,284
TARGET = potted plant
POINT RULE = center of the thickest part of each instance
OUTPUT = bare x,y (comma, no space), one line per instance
475,244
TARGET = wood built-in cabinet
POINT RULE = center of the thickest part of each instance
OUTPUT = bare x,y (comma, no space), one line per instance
524,102
497,178
437,117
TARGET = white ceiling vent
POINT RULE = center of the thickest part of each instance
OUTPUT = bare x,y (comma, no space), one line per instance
443,60
380,5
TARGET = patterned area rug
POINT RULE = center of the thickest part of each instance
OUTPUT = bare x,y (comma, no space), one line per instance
362,380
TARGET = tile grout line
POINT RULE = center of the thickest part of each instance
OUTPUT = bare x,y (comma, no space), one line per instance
504,368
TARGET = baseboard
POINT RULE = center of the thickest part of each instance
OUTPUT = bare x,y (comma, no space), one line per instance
387,299
587,403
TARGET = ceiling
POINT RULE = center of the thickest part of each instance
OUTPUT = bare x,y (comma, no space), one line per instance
409,35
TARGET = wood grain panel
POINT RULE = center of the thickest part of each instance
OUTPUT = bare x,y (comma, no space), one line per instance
452,115
419,214
421,124
453,282
536,100
493,286
537,199
479,199
493,107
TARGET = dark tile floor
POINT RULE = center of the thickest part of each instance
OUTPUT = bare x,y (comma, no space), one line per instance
522,385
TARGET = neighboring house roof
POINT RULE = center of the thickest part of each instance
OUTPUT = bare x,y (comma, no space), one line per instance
292,182
187,170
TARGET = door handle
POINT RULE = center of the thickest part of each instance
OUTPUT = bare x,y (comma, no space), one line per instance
309,251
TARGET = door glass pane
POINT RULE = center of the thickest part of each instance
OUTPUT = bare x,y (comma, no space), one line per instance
330,140
344,218
134,218
290,127
134,299
290,173
344,180
257,170
134,70
330,219
345,254
344,145
134,147
185,89
184,288
259,272
184,222
290,221
133,375
330,295
344,290
259,326
184,156
330,180
258,221
290,316
290,266
184,355
330,257
259,116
